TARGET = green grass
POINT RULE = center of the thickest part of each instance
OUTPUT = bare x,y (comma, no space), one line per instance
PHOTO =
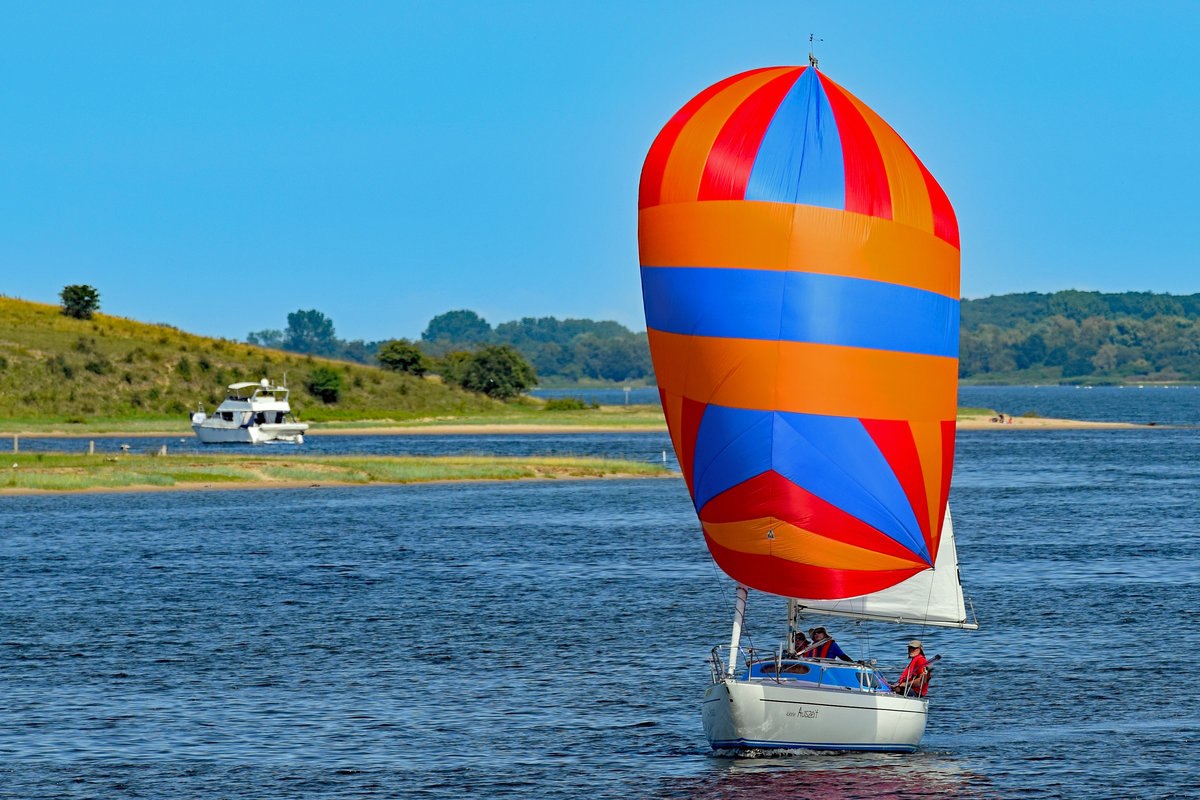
66,472
110,371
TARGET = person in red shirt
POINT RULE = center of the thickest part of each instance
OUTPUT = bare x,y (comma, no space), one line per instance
914,681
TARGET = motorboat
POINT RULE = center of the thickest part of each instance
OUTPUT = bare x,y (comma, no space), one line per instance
251,413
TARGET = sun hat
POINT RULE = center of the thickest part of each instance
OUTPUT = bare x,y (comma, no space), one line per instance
916,643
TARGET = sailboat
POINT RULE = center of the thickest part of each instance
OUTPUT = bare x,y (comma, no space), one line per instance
800,276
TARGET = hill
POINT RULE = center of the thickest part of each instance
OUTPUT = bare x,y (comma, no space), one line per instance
1080,337
55,368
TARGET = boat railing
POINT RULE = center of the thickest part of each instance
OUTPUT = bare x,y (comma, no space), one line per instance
828,670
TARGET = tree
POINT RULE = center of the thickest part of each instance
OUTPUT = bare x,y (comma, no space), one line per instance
462,327
325,384
310,332
499,372
266,338
402,355
79,301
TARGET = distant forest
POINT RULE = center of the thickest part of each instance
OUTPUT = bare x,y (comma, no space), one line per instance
567,350
1063,337
1080,337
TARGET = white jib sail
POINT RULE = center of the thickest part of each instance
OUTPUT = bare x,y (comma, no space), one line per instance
932,597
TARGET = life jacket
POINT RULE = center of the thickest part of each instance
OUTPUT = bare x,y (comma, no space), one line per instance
822,650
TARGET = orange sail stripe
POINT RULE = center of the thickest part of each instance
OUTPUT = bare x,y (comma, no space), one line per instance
781,236
806,378
781,577
772,495
928,439
797,545
685,165
910,198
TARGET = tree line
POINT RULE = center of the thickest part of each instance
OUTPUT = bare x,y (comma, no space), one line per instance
1075,337
465,349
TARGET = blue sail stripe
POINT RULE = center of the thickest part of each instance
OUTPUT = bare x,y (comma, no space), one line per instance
800,307
800,157
832,457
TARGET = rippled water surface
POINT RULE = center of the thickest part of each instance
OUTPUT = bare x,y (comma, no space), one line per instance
547,639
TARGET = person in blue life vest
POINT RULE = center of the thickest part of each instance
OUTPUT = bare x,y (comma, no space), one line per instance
914,681
823,646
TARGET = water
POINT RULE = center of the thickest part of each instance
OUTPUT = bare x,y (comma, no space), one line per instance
633,446
643,395
547,639
1162,405
1170,405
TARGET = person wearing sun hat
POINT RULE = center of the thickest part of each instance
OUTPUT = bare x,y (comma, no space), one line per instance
914,681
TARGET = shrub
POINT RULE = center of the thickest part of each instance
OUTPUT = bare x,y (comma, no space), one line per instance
565,404
325,384
402,356
499,372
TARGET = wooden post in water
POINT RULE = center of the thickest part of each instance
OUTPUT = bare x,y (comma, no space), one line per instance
91,447
15,448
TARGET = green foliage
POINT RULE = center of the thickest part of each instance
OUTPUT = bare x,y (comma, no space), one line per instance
565,404
266,338
461,327
1081,337
325,384
499,372
309,332
453,366
402,355
79,301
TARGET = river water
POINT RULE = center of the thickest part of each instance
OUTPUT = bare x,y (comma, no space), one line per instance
547,639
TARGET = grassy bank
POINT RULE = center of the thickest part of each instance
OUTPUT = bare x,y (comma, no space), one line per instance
64,371
57,472
631,417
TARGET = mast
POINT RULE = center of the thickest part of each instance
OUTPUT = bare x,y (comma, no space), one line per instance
739,614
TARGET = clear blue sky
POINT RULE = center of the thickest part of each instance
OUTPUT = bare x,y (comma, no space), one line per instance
218,165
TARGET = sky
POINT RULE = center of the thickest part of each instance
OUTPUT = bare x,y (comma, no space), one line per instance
218,165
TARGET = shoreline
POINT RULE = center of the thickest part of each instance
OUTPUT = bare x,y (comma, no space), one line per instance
969,422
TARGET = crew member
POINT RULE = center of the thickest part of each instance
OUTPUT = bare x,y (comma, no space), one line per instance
824,646
914,681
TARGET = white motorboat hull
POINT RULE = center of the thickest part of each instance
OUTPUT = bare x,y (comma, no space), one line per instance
290,433
769,714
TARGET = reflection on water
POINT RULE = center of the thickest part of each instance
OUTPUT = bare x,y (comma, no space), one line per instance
829,776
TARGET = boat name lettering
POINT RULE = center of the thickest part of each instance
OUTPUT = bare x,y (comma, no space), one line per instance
807,713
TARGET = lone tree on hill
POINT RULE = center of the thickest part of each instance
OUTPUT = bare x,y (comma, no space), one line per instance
402,355
499,372
79,301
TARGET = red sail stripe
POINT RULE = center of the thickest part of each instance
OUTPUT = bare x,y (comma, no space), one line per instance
772,495
894,438
731,159
777,576
867,189
650,189
945,223
947,467
693,412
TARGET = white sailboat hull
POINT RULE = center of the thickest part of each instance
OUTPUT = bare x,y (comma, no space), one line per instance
767,714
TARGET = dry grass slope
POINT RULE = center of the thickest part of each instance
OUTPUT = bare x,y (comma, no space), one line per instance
55,368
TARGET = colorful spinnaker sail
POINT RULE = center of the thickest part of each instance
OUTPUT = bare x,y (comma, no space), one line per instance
800,273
